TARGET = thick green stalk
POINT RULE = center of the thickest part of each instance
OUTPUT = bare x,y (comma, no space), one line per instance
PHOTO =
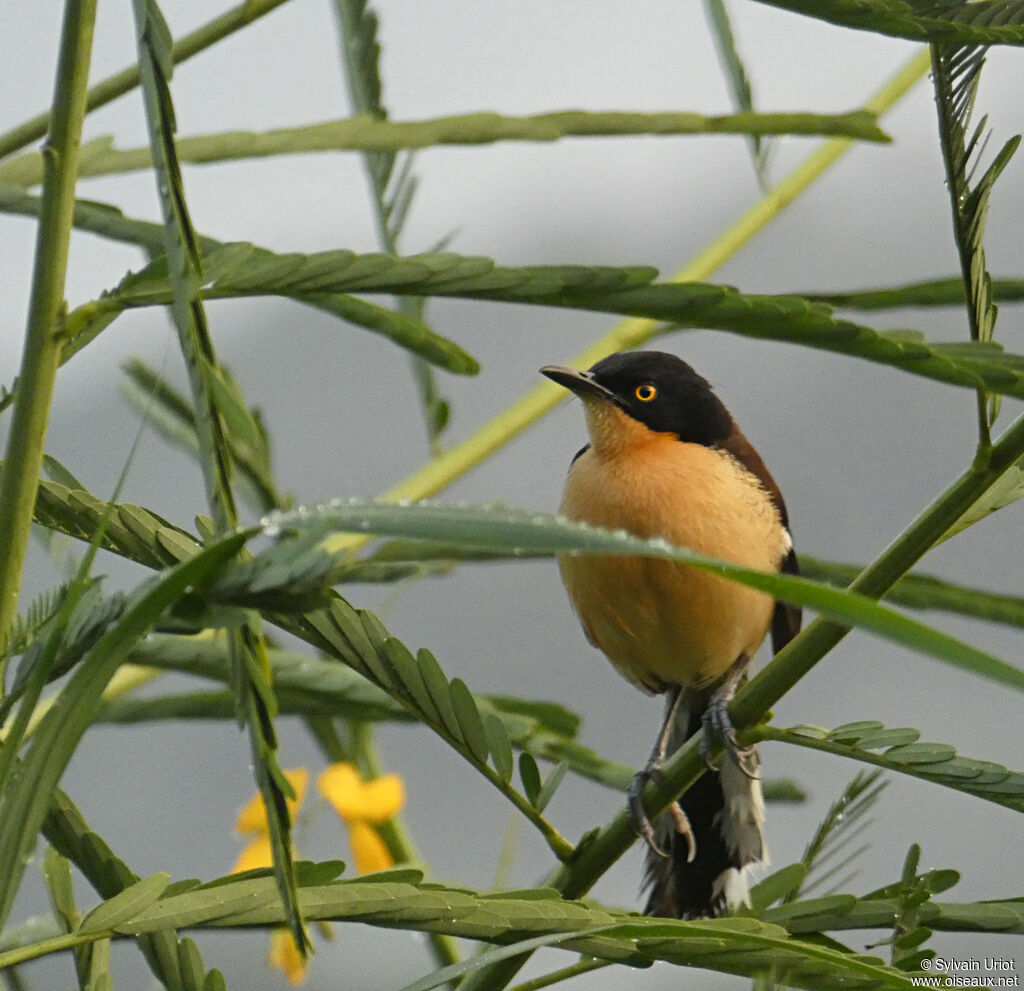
46,308
127,79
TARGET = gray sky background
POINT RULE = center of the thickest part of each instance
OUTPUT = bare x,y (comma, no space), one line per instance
857,449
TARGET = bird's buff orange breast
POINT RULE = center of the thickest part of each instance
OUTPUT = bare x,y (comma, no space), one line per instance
662,623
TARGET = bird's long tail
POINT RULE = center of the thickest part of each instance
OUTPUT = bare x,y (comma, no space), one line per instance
726,812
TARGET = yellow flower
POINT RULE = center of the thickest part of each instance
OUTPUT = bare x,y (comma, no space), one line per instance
360,803
282,952
284,955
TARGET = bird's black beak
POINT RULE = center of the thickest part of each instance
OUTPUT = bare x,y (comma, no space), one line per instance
579,383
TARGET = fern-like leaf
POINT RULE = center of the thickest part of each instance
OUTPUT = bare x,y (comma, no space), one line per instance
72,838
899,750
992,22
240,270
525,920
497,527
27,625
956,72
360,640
370,133
840,824
933,292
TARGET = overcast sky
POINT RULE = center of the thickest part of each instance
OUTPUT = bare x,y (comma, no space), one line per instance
858,449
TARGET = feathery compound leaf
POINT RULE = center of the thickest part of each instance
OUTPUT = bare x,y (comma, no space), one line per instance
938,763
182,262
240,270
993,22
841,822
916,590
392,197
735,945
368,132
956,72
1007,489
309,686
934,292
497,527
631,291
420,685
746,946
27,625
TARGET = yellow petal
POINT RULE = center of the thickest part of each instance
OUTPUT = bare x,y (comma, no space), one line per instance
253,817
284,955
368,850
383,798
257,854
353,799
341,785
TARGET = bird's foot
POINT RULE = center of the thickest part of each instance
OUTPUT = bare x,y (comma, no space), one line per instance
716,724
640,821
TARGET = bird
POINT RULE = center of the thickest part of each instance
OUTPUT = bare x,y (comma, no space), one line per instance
665,459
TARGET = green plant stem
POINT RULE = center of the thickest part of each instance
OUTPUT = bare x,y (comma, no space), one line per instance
43,337
597,853
66,941
127,79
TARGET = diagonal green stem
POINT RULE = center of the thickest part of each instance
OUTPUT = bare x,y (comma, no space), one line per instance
43,338
127,79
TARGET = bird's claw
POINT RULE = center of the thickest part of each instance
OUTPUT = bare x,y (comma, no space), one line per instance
716,724
640,821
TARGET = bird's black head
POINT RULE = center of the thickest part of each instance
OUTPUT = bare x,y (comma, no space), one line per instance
660,390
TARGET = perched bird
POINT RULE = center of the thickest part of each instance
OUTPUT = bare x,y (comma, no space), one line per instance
665,459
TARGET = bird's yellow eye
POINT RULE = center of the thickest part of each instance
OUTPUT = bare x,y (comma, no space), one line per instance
646,392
